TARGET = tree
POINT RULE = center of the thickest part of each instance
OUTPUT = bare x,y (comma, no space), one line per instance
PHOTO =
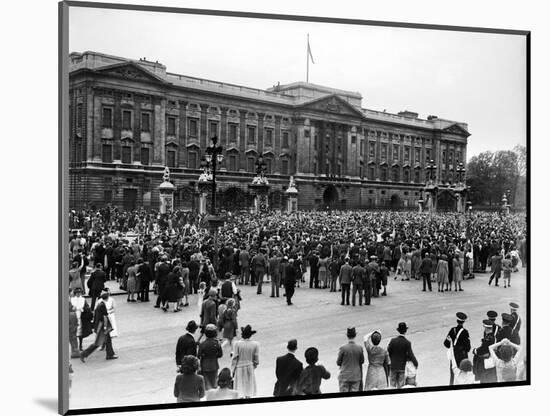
492,174
521,153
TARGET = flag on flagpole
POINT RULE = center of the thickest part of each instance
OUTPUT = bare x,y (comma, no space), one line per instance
309,50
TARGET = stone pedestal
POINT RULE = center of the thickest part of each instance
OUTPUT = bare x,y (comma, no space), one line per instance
202,203
292,197
166,193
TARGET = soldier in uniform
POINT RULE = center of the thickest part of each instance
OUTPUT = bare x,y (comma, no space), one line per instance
458,339
492,315
506,330
481,353
516,323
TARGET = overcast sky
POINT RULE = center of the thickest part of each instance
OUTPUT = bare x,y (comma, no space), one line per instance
469,77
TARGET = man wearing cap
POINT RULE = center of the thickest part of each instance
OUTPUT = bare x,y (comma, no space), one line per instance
481,353
287,370
492,316
345,281
516,323
350,360
458,339
400,351
186,343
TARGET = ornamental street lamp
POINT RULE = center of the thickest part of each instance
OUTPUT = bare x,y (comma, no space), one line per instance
461,171
431,167
213,157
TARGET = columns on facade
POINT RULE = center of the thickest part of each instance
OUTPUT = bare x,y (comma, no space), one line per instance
223,127
242,139
96,127
159,131
136,130
203,126
277,147
182,149
260,146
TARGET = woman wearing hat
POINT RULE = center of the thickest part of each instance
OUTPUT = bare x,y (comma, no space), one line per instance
209,352
224,390
246,357
442,272
189,386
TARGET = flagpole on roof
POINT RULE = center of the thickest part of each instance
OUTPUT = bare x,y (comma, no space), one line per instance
307,59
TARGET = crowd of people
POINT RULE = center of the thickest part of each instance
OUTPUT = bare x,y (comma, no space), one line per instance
349,252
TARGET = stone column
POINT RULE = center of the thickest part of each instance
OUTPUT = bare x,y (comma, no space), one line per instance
277,147
158,130
182,134
136,129
260,145
242,139
95,127
117,124
223,127
203,127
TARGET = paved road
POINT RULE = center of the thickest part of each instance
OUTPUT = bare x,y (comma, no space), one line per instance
145,371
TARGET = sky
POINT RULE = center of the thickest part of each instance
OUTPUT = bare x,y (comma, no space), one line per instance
474,78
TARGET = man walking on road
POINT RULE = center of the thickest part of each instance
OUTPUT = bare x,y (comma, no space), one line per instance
345,281
350,360
400,352
425,271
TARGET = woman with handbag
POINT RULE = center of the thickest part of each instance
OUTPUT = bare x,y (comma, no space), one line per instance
246,357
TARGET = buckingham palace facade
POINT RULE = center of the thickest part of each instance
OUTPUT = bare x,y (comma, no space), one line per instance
130,119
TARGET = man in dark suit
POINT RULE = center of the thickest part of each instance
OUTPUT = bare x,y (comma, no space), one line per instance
287,369
313,270
400,351
96,283
372,279
145,277
244,260
209,311
496,268
259,265
161,280
345,281
426,271
458,339
358,277
102,328
350,360
186,343
516,323
289,278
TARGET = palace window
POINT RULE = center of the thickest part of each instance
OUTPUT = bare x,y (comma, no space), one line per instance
213,128
353,139
251,134
306,133
126,120
315,142
269,137
107,153
268,165
384,173
171,158
145,122
285,139
384,151
406,175
417,155
193,127
417,175
192,159
428,154
395,174
171,126
232,133
362,148
233,163
126,155
144,155
284,167
395,152
372,173
372,149
407,153
107,117
250,164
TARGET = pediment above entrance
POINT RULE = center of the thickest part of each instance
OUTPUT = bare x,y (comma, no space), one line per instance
131,71
332,104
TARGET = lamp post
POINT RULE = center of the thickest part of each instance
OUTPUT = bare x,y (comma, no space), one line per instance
431,188
213,157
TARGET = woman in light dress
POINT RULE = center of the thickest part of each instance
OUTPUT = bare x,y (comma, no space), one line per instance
323,272
378,362
458,274
246,357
